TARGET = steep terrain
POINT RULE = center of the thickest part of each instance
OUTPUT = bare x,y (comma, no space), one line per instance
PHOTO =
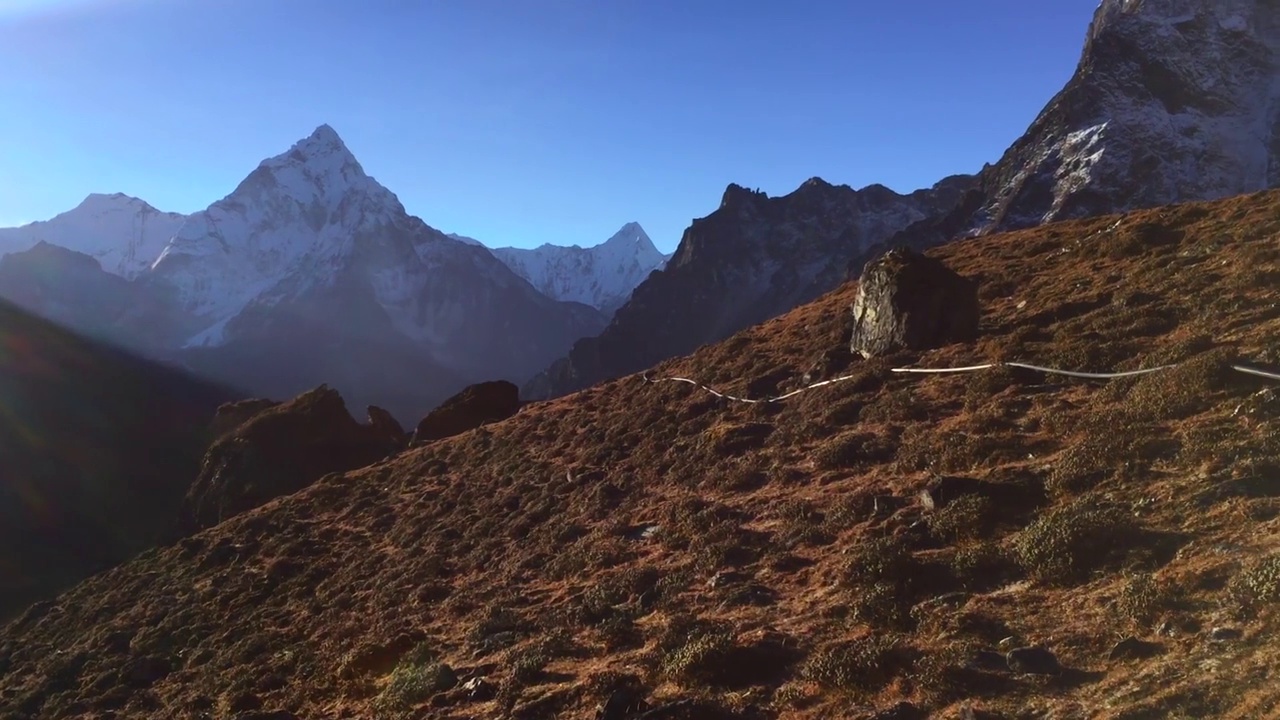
1172,101
652,544
601,276
751,259
97,449
124,234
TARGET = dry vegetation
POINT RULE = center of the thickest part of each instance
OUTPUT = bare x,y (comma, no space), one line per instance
772,561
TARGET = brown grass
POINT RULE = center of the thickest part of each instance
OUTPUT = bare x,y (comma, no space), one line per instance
573,545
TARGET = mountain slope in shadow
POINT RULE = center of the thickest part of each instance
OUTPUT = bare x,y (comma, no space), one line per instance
97,448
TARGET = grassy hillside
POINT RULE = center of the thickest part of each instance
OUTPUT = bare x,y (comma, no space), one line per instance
773,560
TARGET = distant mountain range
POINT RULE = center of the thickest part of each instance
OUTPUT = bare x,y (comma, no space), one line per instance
311,272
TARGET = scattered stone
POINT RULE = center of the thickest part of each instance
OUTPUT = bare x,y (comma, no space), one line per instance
478,689
1033,661
828,365
1009,643
946,600
623,703
942,490
1131,648
1225,634
445,678
989,660
278,452
117,642
911,301
724,578
1263,404
886,505
475,406
496,642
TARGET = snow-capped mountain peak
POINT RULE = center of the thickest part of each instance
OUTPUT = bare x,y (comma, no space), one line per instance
602,276
318,169
297,215
124,234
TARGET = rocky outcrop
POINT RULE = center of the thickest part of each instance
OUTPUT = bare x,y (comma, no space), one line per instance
750,260
477,405
280,451
386,425
234,414
1172,101
909,301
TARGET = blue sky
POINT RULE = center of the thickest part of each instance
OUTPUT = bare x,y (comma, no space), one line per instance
520,121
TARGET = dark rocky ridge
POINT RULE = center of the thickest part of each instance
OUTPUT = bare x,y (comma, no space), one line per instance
281,450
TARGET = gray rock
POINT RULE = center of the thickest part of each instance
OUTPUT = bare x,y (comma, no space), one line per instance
1033,661
1225,634
909,301
1132,648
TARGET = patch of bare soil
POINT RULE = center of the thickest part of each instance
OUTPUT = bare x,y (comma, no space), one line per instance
1080,548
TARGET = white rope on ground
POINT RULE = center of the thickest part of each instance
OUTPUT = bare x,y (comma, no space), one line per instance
1051,371
1255,371
734,398
970,368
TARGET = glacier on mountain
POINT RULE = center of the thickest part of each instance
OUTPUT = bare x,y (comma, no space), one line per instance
601,276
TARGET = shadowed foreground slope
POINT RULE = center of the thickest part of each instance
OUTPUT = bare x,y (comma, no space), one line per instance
96,450
773,560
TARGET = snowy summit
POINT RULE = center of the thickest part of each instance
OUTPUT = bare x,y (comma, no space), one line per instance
124,234
602,276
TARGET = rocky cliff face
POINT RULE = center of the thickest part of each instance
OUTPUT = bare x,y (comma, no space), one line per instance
751,259
1172,101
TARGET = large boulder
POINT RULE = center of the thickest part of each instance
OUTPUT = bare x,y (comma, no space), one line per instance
279,451
476,405
909,301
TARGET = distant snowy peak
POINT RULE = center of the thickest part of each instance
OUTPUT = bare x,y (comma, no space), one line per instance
601,276
296,217
124,234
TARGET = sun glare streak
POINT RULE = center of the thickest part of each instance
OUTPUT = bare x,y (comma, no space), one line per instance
23,9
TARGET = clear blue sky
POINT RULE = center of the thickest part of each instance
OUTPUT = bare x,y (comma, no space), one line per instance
520,121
